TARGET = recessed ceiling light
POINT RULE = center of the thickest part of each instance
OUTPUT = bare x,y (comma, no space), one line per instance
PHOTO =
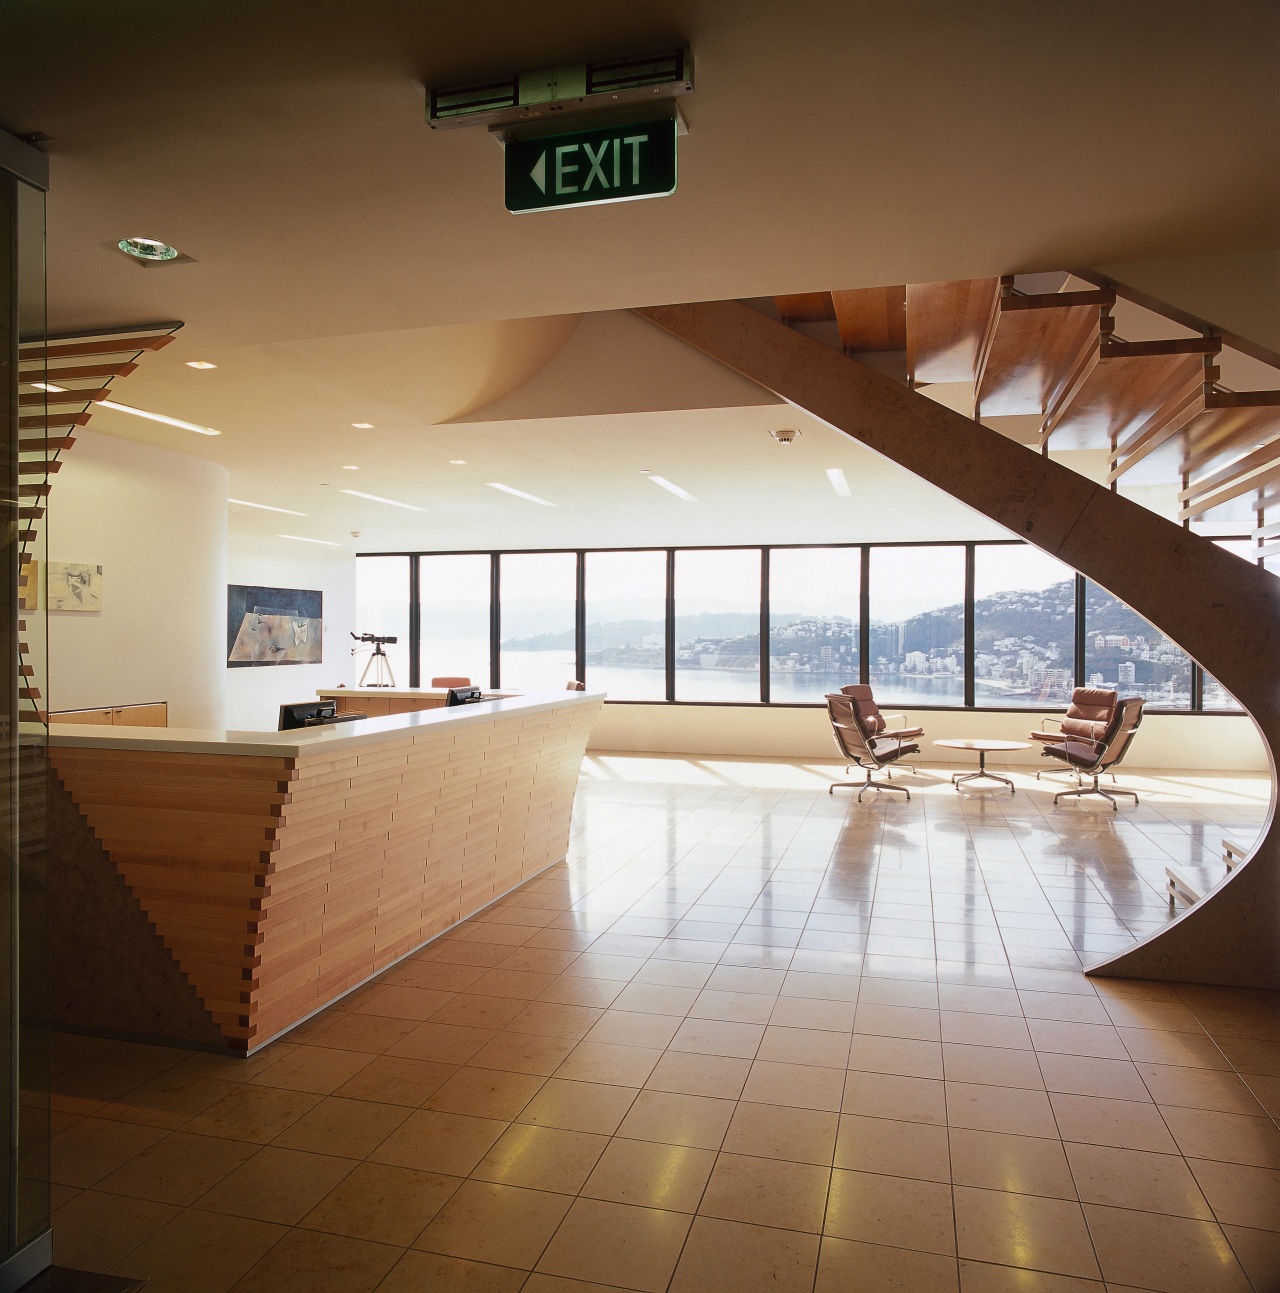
671,488
264,507
156,417
374,498
457,462
518,493
148,249
47,386
363,426
200,363
836,476
298,538
345,468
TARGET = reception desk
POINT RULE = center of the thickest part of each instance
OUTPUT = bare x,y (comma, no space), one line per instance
378,702
218,888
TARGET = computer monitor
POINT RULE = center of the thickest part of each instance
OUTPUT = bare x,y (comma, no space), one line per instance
312,713
463,696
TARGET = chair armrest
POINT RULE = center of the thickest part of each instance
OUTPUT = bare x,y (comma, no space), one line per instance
889,719
1052,719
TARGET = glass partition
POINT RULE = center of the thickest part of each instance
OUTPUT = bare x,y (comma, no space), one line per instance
383,594
1128,654
626,605
1024,626
539,592
813,621
1213,695
917,625
454,592
717,596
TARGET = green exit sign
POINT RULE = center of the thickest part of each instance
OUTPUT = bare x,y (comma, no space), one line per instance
589,167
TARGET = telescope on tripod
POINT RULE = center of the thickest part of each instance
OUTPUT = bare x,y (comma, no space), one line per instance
379,661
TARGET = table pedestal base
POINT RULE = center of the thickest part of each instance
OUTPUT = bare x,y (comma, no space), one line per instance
957,778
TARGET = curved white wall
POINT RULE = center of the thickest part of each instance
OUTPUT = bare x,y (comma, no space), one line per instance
156,520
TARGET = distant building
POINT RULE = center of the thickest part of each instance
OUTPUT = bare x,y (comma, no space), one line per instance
1126,672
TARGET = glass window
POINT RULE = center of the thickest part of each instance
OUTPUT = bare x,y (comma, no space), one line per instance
1024,625
627,624
382,608
917,625
813,621
718,625
455,617
1126,653
538,593
1214,695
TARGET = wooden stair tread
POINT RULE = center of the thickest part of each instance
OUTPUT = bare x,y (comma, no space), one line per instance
945,325
872,319
805,307
107,346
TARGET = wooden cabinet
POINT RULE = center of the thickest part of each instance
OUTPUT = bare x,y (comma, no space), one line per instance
153,714
382,706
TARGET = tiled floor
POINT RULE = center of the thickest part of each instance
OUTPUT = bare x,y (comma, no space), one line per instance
750,1037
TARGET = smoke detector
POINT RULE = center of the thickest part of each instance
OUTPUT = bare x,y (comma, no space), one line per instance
788,435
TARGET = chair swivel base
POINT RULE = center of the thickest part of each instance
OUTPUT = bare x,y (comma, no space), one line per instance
868,784
1096,789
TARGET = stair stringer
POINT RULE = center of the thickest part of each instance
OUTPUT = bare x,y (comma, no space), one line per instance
1224,612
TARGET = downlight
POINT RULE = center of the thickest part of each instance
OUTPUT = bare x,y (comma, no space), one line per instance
148,249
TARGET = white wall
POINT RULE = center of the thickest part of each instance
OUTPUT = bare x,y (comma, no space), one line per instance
1163,741
254,695
156,521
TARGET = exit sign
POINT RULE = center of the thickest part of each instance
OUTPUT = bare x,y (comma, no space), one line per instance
611,164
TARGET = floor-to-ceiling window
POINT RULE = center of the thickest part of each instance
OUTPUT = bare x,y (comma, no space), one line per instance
717,600
626,609
455,595
813,621
539,619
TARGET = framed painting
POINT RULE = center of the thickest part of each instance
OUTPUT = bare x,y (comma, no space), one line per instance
268,626
73,586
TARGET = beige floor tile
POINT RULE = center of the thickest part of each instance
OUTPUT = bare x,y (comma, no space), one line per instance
310,1261
371,1034
550,1019
898,1021
881,1095
896,1055
442,1043
676,1119
179,1168
734,1007
280,1185
1101,1041
745,1258
1024,1230
1193,1050
579,1106
734,978
541,1158
168,1100
1084,1075
432,974
1022,1164
570,991
992,1066
199,1252
656,999
94,1230
845,1265
806,1012
400,1002
805,1046
390,1079
254,1113
1166,1016
685,1073
1259,1254
501,1224
718,1037
1171,1084
601,1242
1228,1137
651,1175
820,986
388,1204
472,1010
1240,1195
485,1093
892,1148
348,1128
629,1028
905,992
433,1273
780,1131
1124,1124
450,1143
897,1211
316,1069
1169,1254
800,1086
969,1028
767,1191
981,1277
611,1065
523,1053
1132,1178
1251,1055
93,1147
1013,1110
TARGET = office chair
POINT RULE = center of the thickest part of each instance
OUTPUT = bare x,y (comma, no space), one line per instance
860,745
575,685
876,723
1087,716
1093,757
446,681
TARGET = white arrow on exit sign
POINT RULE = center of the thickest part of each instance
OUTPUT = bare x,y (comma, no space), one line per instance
539,172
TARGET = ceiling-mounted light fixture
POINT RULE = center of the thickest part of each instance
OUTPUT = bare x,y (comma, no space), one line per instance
264,507
375,498
200,363
299,538
836,476
787,435
670,487
156,417
363,426
151,249
518,493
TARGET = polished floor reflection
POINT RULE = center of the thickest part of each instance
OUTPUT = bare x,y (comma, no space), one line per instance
750,1036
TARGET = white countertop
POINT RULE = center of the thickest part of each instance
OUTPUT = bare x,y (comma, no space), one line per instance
310,740
399,693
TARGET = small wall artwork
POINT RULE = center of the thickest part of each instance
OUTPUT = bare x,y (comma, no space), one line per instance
274,626
74,587
29,585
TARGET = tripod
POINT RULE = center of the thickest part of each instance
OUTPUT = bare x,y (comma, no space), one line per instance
380,664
